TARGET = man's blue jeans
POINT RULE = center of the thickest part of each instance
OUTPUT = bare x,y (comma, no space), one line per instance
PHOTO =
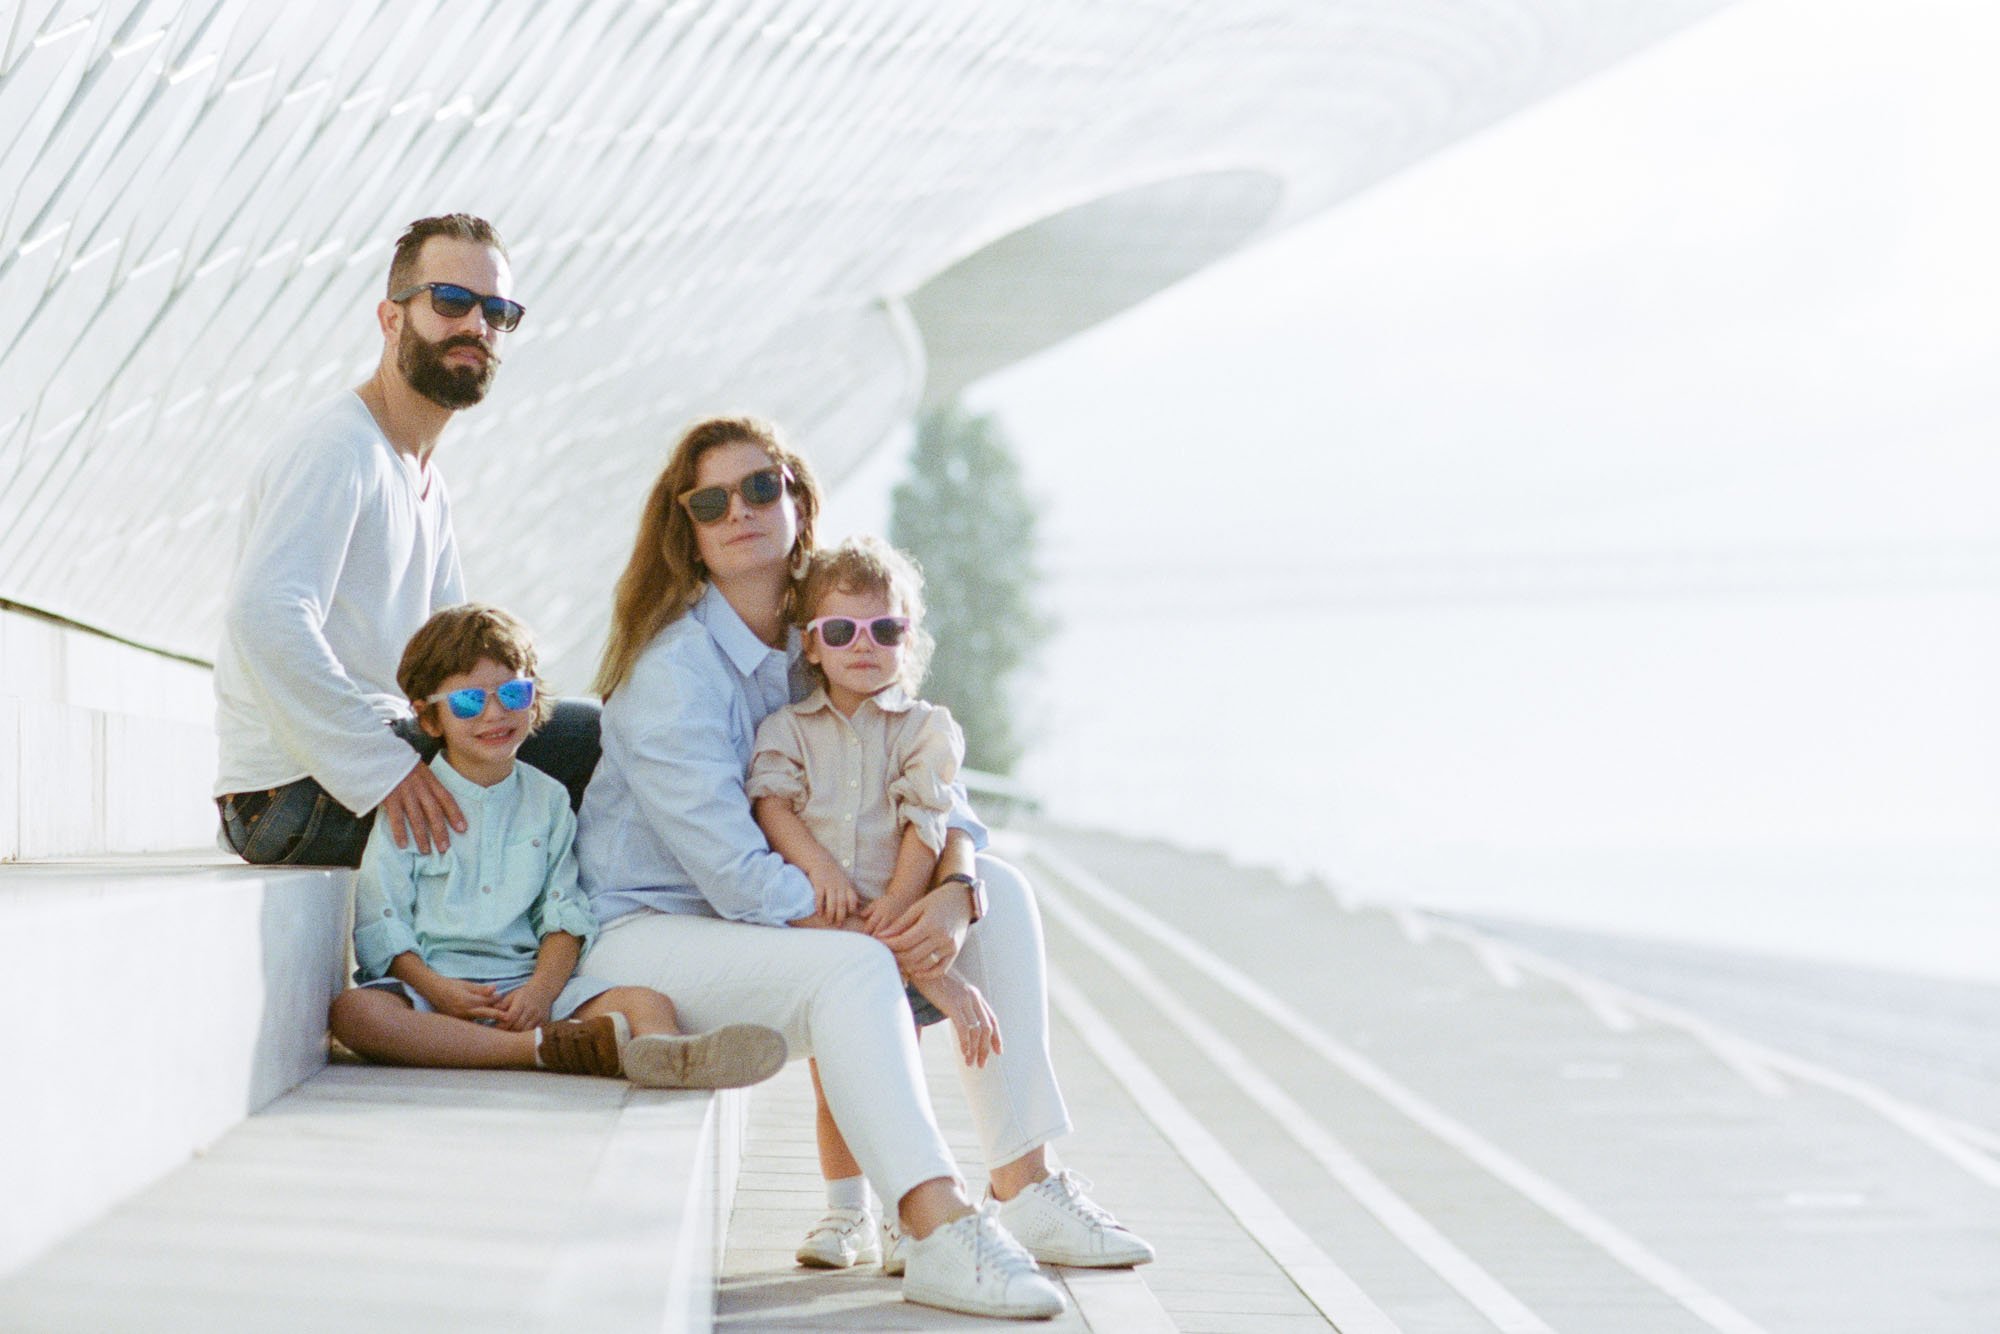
299,824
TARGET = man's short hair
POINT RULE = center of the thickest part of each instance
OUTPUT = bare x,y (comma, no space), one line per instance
458,226
455,639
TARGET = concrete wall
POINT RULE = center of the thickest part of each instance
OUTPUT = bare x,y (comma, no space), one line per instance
103,747
154,1006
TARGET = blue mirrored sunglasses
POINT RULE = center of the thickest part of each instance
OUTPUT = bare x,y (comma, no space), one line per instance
470,702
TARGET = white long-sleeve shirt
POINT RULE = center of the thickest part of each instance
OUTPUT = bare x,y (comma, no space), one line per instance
345,549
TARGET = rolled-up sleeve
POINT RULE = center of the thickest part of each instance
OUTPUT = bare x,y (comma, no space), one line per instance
385,905
920,790
777,762
561,906
686,773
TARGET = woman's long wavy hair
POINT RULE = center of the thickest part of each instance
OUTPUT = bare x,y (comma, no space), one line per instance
665,575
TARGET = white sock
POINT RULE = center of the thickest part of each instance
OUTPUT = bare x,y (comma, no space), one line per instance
847,1193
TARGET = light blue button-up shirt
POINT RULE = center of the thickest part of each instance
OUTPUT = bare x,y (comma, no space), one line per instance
479,909
666,824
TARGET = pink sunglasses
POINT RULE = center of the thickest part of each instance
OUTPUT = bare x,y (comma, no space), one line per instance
839,631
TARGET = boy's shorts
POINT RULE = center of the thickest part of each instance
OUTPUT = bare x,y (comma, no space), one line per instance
574,993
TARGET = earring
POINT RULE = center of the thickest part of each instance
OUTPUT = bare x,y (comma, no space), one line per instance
801,561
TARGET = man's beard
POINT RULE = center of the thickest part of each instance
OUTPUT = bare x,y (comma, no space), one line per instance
423,365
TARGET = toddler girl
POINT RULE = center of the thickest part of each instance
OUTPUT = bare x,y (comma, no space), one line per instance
853,786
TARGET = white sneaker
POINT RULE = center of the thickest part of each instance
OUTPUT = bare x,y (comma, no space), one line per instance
972,1265
894,1258
1060,1225
842,1239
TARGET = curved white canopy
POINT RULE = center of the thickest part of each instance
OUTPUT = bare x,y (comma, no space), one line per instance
820,212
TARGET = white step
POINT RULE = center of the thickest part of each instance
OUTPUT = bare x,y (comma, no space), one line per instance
155,1003
438,1200
161,1001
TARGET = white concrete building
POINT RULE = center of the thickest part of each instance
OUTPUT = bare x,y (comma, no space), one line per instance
825,214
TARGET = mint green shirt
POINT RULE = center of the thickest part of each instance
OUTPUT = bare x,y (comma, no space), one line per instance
477,910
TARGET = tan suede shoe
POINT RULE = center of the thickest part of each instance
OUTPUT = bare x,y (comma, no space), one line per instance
584,1046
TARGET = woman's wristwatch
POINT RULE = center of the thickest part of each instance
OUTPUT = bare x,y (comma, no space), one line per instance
975,887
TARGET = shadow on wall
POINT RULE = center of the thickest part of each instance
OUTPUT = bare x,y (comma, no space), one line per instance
307,958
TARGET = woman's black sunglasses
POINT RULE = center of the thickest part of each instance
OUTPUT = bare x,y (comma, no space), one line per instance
710,504
452,301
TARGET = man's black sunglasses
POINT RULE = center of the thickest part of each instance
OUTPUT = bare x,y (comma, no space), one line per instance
452,301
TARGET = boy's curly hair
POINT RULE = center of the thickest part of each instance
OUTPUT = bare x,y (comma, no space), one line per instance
870,565
455,639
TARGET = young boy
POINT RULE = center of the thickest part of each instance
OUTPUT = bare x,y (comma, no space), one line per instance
467,956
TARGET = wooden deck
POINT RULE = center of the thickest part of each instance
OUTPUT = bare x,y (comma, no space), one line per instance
1326,1115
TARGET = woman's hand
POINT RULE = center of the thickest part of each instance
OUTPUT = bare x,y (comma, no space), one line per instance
818,921
879,916
926,938
971,1017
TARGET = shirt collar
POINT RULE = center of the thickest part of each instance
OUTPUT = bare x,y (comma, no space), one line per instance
464,788
889,699
739,643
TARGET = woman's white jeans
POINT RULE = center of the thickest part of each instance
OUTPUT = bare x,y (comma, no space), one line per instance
836,996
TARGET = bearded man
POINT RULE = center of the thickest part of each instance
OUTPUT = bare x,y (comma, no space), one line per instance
346,549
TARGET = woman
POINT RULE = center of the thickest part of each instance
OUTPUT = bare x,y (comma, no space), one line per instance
691,896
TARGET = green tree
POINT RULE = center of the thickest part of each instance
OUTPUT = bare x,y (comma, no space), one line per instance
964,513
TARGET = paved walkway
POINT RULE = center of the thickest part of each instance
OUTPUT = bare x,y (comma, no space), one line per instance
1212,1275
1328,1116
1933,1041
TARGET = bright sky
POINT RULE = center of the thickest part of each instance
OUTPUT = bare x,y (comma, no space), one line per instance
1743,289
1503,444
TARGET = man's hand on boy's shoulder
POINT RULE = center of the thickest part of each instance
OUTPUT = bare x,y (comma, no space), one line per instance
421,808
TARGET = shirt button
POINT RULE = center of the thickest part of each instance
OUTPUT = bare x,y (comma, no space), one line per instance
387,913
534,842
486,889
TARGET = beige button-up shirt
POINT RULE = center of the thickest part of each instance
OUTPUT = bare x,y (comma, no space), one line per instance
857,781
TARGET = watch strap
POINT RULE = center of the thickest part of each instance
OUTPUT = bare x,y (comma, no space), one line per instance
975,887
